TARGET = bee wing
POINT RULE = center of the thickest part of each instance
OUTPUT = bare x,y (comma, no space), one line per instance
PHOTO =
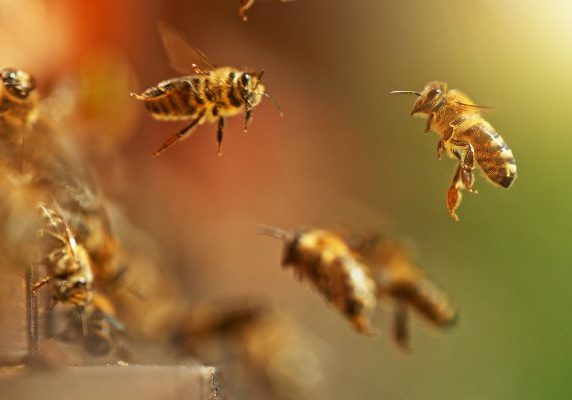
182,56
474,106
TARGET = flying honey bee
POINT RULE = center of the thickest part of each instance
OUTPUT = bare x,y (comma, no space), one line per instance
69,266
397,278
466,136
245,5
325,259
211,94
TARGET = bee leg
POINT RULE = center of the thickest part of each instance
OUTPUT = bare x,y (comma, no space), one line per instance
454,195
401,325
247,118
428,124
36,286
467,162
219,134
440,149
181,135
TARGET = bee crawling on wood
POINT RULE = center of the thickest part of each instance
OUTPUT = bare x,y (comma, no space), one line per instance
326,260
69,266
397,278
211,94
466,136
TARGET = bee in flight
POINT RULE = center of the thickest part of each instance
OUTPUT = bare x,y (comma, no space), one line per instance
211,94
69,265
327,262
245,5
466,136
397,278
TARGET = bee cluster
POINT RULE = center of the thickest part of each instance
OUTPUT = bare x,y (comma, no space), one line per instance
89,278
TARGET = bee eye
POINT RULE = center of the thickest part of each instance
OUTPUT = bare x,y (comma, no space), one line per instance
433,93
79,284
245,79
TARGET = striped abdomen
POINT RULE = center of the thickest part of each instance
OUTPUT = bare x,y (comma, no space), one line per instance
492,153
175,99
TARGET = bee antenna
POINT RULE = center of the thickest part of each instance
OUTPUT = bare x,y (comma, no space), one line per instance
275,103
261,74
271,231
405,92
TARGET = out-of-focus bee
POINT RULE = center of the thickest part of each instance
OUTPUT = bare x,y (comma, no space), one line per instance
18,99
245,5
466,136
18,111
103,327
326,260
211,94
397,278
267,355
69,266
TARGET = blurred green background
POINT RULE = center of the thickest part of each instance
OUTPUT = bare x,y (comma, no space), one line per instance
348,154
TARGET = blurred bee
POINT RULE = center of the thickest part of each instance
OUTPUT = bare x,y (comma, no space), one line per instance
69,266
103,327
18,111
466,136
245,5
267,355
396,277
211,94
326,260
18,98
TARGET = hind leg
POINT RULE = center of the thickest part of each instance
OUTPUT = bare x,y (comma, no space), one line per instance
454,195
401,325
467,163
181,135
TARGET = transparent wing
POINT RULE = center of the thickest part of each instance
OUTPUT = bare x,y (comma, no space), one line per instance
182,56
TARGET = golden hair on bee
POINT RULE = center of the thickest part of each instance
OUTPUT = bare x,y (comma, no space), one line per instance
465,136
323,258
210,94
398,279
69,267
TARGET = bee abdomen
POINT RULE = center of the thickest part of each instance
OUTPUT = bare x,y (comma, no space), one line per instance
492,154
429,300
170,100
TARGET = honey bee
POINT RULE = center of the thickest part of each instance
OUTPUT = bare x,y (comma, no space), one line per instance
18,110
397,278
18,99
102,326
267,354
326,260
69,266
210,94
245,5
466,136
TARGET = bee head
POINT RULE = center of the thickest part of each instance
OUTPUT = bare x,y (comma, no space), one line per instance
251,87
75,290
427,99
17,84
